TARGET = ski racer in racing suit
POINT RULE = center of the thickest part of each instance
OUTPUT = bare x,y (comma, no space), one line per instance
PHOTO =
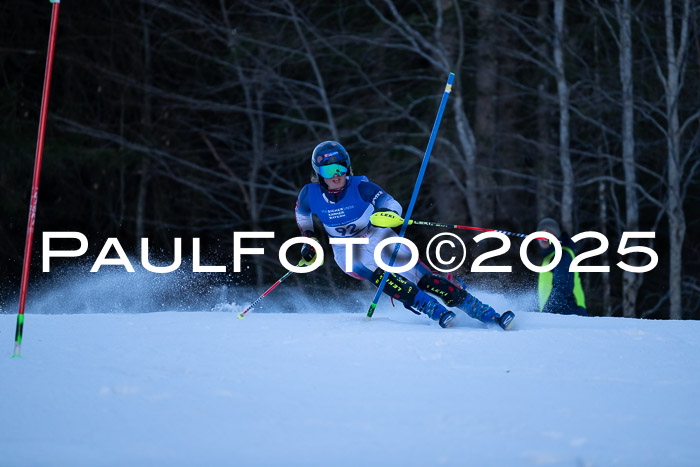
344,204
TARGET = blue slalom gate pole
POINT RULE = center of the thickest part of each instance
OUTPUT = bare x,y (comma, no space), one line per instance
416,189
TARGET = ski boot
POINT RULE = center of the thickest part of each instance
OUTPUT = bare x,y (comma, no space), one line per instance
478,310
506,320
426,304
484,313
457,296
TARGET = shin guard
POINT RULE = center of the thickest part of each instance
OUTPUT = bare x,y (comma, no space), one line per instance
437,285
397,287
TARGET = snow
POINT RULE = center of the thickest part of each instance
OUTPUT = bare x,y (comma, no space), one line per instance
317,387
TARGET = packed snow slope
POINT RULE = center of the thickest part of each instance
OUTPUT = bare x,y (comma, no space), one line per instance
316,388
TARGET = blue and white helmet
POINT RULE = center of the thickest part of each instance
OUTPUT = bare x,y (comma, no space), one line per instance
330,158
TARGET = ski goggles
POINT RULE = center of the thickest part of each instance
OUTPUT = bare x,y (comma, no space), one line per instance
329,171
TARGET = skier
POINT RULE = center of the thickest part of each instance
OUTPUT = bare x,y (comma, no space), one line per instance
559,290
344,204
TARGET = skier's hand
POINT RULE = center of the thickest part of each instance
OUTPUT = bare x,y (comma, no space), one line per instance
308,253
384,217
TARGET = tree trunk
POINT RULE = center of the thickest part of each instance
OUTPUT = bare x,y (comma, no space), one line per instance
543,162
567,193
507,149
253,99
676,217
468,145
486,91
631,282
146,122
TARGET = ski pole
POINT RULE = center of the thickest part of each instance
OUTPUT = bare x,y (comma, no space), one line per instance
391,219
252,305
35,181
416,189
302,262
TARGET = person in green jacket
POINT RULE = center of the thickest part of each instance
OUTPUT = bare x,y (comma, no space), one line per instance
559,290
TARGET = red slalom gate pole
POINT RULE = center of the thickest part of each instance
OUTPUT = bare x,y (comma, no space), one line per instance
35,182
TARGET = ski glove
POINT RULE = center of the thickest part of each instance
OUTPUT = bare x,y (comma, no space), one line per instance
384,217
386,210
308,253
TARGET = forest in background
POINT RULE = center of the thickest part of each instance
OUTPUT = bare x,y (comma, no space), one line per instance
196,119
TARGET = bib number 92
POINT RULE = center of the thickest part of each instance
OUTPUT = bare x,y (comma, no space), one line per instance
347,230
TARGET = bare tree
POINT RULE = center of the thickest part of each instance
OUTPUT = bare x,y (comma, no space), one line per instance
147,118
681,158
486,82
631,282
444,59
567,169
544,187
673,84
